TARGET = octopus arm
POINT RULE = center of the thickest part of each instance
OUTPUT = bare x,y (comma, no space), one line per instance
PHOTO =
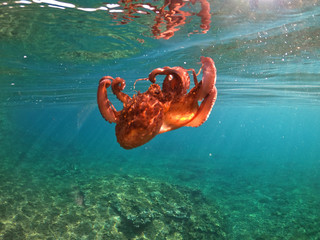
106,108
118,84
204,110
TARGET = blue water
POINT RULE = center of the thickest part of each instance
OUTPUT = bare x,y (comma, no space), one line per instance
251,171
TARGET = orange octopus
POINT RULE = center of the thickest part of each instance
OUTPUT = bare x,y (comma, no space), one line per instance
159,110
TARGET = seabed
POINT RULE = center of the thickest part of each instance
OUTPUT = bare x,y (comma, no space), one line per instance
54,194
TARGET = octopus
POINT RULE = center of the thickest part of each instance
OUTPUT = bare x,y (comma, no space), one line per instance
159,110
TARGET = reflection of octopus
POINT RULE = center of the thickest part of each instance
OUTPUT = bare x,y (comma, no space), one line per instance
176,17
159,110
171,18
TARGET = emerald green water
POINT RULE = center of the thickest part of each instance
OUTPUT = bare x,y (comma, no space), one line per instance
251,171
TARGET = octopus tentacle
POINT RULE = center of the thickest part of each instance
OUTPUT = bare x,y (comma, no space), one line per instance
205,91
118,84
106,108
195,79
157,71
204,110
209,77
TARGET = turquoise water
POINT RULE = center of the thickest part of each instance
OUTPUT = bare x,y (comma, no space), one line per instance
251,171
